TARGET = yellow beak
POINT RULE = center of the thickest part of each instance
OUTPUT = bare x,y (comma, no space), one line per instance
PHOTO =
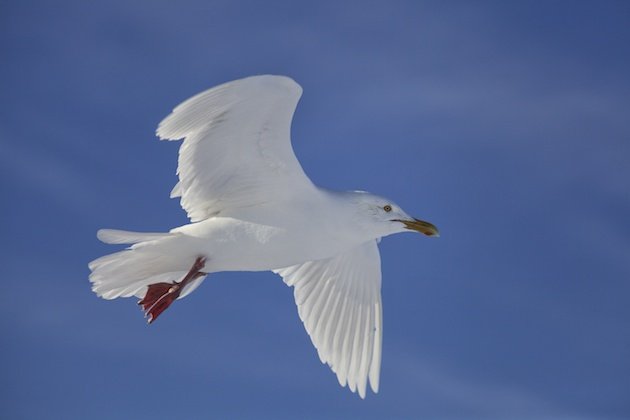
420,226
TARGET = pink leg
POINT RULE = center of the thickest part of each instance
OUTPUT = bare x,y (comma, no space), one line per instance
159,296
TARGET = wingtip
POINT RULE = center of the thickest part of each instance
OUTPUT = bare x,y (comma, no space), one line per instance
201,109
374,386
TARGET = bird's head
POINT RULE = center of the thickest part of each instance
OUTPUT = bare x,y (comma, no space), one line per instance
386,217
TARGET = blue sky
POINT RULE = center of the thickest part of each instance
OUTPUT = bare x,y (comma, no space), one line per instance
506,124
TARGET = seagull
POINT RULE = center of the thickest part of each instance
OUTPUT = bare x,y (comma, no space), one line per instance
252,208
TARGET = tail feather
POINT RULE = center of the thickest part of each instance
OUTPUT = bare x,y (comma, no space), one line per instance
115,236
153,258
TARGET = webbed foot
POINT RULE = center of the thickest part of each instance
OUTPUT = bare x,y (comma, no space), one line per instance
160,296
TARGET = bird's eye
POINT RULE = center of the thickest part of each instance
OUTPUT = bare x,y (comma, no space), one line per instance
387,208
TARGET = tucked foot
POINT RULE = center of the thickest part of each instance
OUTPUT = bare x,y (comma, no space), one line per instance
159,296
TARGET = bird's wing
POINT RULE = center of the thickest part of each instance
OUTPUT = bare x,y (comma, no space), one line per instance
237,147
339,302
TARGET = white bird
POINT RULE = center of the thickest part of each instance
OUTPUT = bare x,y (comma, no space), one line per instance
252,208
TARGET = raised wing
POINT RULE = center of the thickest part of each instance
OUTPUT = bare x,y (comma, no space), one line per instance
339,302
237,147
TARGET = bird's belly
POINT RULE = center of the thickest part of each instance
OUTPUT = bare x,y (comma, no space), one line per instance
234,245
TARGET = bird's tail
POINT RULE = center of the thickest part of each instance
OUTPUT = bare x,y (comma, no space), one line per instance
152,258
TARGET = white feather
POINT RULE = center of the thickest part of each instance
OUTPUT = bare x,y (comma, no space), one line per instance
237,149
114,236
159,258
339,302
